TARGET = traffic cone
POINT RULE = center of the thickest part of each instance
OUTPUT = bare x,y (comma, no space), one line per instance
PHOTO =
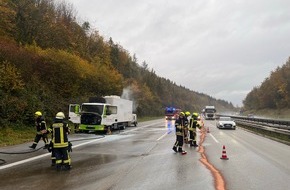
224,154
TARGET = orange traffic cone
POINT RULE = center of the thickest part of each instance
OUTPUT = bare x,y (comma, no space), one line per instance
224,154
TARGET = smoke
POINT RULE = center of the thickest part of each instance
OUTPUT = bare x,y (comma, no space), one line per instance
128,94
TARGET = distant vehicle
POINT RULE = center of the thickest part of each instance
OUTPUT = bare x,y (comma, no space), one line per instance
171,113
209,112
251,116
226,123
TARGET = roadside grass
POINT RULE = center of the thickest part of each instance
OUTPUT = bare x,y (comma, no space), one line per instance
16,135
12,135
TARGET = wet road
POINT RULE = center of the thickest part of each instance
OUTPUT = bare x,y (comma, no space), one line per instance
255,162
142,158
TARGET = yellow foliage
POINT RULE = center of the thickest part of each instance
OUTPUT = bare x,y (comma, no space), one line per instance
10,78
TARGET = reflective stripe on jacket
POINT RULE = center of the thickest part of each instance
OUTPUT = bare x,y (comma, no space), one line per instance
59,134
180,124
193,124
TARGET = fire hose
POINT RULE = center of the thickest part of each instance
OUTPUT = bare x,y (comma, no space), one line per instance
2,161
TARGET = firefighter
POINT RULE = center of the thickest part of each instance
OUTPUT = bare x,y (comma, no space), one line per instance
187,118
60,131
41,131
192,129
53,158
50,147
179,126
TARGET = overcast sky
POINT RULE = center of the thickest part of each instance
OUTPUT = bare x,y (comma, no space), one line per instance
223,48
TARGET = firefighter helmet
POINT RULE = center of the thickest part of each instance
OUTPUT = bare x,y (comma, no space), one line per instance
195,115
38,113
60,115
181,113
187,113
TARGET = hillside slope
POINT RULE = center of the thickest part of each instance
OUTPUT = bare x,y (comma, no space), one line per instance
48,60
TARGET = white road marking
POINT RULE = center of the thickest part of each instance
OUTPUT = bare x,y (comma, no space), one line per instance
47,154
214,138
23,161
162,136
41,156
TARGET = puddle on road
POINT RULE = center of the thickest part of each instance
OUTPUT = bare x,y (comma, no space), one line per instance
95,159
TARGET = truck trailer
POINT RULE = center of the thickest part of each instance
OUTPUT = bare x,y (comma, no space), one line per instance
103,114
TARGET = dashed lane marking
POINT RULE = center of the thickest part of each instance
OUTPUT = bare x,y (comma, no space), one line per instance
214,138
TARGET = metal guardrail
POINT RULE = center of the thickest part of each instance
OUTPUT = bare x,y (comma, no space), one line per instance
285,124
278,129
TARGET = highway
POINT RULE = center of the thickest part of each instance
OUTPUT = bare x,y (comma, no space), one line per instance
142,158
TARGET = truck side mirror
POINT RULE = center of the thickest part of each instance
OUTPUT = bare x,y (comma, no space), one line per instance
77,109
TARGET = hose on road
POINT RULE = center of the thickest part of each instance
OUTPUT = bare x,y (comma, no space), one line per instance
2,161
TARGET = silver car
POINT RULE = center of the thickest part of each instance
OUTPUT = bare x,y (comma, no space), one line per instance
226,123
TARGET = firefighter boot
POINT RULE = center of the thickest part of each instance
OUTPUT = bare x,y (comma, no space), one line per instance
66,167
174,148
181,151
191,143
194,144
46,146
33,146
58,167
52,162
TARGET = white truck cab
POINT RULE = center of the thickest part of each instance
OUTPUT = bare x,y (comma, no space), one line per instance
115,113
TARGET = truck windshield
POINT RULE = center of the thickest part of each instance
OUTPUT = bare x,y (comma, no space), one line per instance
210,110
93,108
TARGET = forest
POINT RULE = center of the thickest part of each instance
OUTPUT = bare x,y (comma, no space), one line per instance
48,59
273,93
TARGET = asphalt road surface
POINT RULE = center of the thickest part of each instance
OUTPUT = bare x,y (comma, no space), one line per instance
142,158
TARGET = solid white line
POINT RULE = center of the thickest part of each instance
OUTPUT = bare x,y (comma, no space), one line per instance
47,154
41,156
82,144
162,136
23,161
214,138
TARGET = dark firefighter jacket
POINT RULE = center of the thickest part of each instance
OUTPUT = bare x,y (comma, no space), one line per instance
193,124
40,125
180,124
60,131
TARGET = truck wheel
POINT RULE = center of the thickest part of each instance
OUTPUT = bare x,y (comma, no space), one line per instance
76,128
124,125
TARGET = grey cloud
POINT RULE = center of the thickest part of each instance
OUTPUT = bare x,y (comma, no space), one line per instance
218,47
